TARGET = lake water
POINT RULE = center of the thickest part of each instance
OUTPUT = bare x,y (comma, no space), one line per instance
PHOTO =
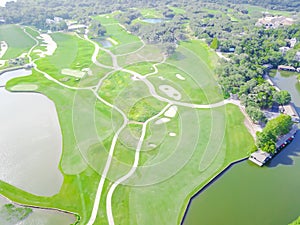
40,217
3,2
153,20
106,43
250,195
30,140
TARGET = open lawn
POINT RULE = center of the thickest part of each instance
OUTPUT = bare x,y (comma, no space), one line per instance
202,72
71,53
182,149
18,42
123,41
179,179
151,13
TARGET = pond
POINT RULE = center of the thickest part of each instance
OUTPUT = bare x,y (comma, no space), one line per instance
30,140
153,20
105,43
248,194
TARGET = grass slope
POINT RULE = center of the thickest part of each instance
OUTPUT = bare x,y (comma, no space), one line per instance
18,42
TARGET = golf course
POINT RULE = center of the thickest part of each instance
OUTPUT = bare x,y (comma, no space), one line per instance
141,131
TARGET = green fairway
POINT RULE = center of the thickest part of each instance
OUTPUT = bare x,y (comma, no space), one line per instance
113,117
18,42
191,177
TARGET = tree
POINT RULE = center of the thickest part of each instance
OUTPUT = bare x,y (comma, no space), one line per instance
256,114
274,128
215,43
282,97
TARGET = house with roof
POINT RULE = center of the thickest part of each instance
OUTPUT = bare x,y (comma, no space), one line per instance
260,157
287,68
284,50
293,42
297,56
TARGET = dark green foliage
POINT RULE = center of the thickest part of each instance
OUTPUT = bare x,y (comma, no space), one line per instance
256,114
282,97
275,128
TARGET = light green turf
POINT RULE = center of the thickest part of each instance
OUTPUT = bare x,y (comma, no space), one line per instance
72,53
126,42
150,200
198,61
177,10
151,13
149,53
18,42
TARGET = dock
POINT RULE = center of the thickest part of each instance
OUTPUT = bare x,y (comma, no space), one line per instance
260,157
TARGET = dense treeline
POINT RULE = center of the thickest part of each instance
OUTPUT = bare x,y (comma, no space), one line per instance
243,74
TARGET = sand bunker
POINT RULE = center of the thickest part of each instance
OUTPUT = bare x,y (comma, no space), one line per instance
88,71
170,91
24,87
3,49
162,120
161,78
48,43
114,42
172,134
73,73
180,77
171,112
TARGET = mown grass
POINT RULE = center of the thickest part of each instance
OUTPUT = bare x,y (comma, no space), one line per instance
18,42
174,193
151,13
198,61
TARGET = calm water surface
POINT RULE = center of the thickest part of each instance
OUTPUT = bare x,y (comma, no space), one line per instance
30,140
250,195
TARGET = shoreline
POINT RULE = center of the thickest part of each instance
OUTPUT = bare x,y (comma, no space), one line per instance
76,216
208,184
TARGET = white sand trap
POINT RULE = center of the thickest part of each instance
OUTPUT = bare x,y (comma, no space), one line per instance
152,145
170,91
180,77
162,120
24,87
3,49
88,71
161,78
2,63
171,134
134,78
23,55
49,44
171,112
114,42
73,73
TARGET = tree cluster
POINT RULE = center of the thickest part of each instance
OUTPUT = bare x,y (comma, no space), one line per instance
266,140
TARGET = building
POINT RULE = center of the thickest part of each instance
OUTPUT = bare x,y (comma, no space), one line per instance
287,68
76,27
284,50
291,111
297,56
293,42
260,157
274,22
